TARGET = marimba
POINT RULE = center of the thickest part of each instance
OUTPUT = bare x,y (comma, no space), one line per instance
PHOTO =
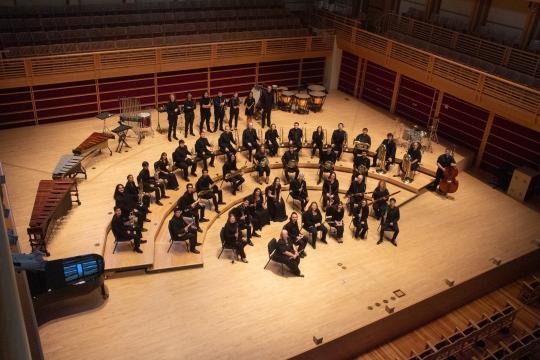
69,166
54,199
95,142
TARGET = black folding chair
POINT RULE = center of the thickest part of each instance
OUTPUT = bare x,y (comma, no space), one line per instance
272,247
175,239
226,247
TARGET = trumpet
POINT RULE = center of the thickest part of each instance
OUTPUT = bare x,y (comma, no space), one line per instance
381,159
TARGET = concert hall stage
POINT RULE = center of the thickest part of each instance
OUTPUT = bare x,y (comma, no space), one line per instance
355,295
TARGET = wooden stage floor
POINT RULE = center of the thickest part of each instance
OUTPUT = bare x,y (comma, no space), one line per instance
224,310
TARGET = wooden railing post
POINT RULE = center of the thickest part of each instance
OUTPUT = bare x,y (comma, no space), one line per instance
264,46
480,87
485,136
309,43
438,104
506,56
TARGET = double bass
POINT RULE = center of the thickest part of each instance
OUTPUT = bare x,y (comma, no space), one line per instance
449,182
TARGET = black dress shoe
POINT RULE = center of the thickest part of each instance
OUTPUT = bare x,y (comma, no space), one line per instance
143,230
394,243
195,251
170,140
250,243
159,203
255,235
191,133
144,241
198,244
166,196
147,220
185,178
379,242
199,230
137,250
203,220
175,138
300,275
222,203
244,260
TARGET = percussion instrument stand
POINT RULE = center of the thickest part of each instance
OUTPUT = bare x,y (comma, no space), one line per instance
159,129
122,141
433,138
104,116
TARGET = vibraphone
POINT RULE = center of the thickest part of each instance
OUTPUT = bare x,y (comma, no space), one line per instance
69,166
54,199
95,142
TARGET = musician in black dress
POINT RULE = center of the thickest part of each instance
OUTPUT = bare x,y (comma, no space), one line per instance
234,104
295,236
274,201
326,162
380,198
163,168
232,237
286,253
226,142
330,191
149,183
360,216
271,137
249,102
443,161
204,151
205,104
132,190
267,102
191,207
250,140
363,137
262,164
339,140
290,163
295,137
298,190
129,206
361,164
182,159
219,103
173,110
179,230
317,141
235,178
312,222
242,214
416,157
389,222
189,114
206,189
259,214
122,230
334,218
390,145
356,192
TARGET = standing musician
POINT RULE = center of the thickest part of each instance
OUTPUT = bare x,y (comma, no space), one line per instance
380,197
443,161
295,137
298,190
360,159
206,189
274,201
191,207
189,114
270,140
326,162
267,101
286,253
149,183
339,140
163,168
181,230
334,218
295,236
312,222
182,159
360,215
317,141
389,222
390,152
203,150
219,111
330,191
232,237
416,156
229,167
205,104
226,141
243,217
132,191
290,163
123,230
234,104
249,102
250,140
363,137
173,110
356,192
262,164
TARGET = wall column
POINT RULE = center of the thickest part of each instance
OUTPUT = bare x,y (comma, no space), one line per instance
485,136
331,68
531,25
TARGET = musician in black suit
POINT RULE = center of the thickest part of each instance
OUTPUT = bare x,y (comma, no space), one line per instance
416,157
243,217
312,222
250,140
327,161
262,164
132,190
181,230
182,159
123,231
360,216
219,111
249,102
317,141
191,207
163,168
339,139
390,145
389,222
206,189
443,161
173,110
205,104
287,157
360,158
330,191
295,236
130,206
267,102
149,183
334,218
270,139
380,197
363,137
356,192
226,141
298,190
232,237
189,114
203,150
295,137
230,167
286,253
234,104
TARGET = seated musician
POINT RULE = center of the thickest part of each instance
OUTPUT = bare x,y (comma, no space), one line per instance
163,168
233,238
130,206
290,163
206,189
326,162
262,164
330,191
334,218
295,236
298,190
317,141
250,140
360,215
259,214
356,192
390,158
191,207
243,217
443,161
123,230
132,190
339,140
380,197
271,140
204,150
364,137
389,222
226,141
181,230
236,179
149,183
287,253
295,137
312,222
274,201
182,159
360,162
416,157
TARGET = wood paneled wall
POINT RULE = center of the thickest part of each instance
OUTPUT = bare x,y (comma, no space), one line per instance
378,86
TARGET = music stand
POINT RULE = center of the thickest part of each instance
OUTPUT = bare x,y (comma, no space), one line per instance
160,109
104,116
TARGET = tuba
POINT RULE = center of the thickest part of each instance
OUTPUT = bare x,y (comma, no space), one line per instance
406,176
381,159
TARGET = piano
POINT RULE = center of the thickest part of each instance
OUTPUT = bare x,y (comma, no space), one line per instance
69,166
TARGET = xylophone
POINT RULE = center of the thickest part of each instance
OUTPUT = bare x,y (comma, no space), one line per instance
69,166
53,200
95,142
